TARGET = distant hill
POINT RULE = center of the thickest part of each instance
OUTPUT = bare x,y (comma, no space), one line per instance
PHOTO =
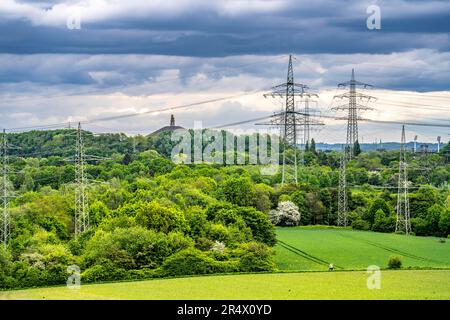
375,146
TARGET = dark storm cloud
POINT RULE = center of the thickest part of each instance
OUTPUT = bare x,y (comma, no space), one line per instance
133,55
299,27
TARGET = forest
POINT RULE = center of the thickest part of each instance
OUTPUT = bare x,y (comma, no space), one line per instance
152,218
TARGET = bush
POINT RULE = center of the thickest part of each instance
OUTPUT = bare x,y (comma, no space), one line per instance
196,220
5,260
218,232
105,272
394,262
193,261
360,224
204,244
256,257
133,248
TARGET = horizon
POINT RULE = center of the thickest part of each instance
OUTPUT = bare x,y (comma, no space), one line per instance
79,60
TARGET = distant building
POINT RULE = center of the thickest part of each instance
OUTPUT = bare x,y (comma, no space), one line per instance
171,127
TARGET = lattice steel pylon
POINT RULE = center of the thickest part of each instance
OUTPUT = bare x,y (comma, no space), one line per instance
289,120
342,192
306,122
5,231
352,107
403,223
81,209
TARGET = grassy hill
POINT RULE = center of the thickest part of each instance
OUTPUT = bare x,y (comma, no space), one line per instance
312,248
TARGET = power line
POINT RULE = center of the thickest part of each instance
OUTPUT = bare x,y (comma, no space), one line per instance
81,202
5,231
135,114
352,108
181,77
424,95
289,123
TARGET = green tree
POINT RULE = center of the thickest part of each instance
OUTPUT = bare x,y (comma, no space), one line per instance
153,215
377,204
422,200
238,191
312,148
444,222
298,198
133,248
356,148
262,230
432,218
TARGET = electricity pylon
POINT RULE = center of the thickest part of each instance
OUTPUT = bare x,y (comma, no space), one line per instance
5,219
352,107
403,223
342,192
306,119
5,194
289,120
81,210
81,219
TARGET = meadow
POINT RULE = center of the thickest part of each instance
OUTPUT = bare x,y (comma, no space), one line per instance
404,284
314,248
308,249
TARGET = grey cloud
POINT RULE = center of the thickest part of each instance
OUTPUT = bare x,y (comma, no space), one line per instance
209,30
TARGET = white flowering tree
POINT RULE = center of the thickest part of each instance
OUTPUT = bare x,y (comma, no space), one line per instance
286,214
218,247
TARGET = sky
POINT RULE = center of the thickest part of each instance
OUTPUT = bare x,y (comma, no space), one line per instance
77,60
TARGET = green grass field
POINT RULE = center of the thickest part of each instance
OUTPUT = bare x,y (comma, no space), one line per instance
300,248
312,248
406,284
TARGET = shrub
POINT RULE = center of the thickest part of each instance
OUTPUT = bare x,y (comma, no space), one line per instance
360,224
394,262
218,232
105,272
5,261
196,220
133,248
142,274
204,244
256,257
193,261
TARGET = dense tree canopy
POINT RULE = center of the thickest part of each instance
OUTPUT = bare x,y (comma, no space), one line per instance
151,218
